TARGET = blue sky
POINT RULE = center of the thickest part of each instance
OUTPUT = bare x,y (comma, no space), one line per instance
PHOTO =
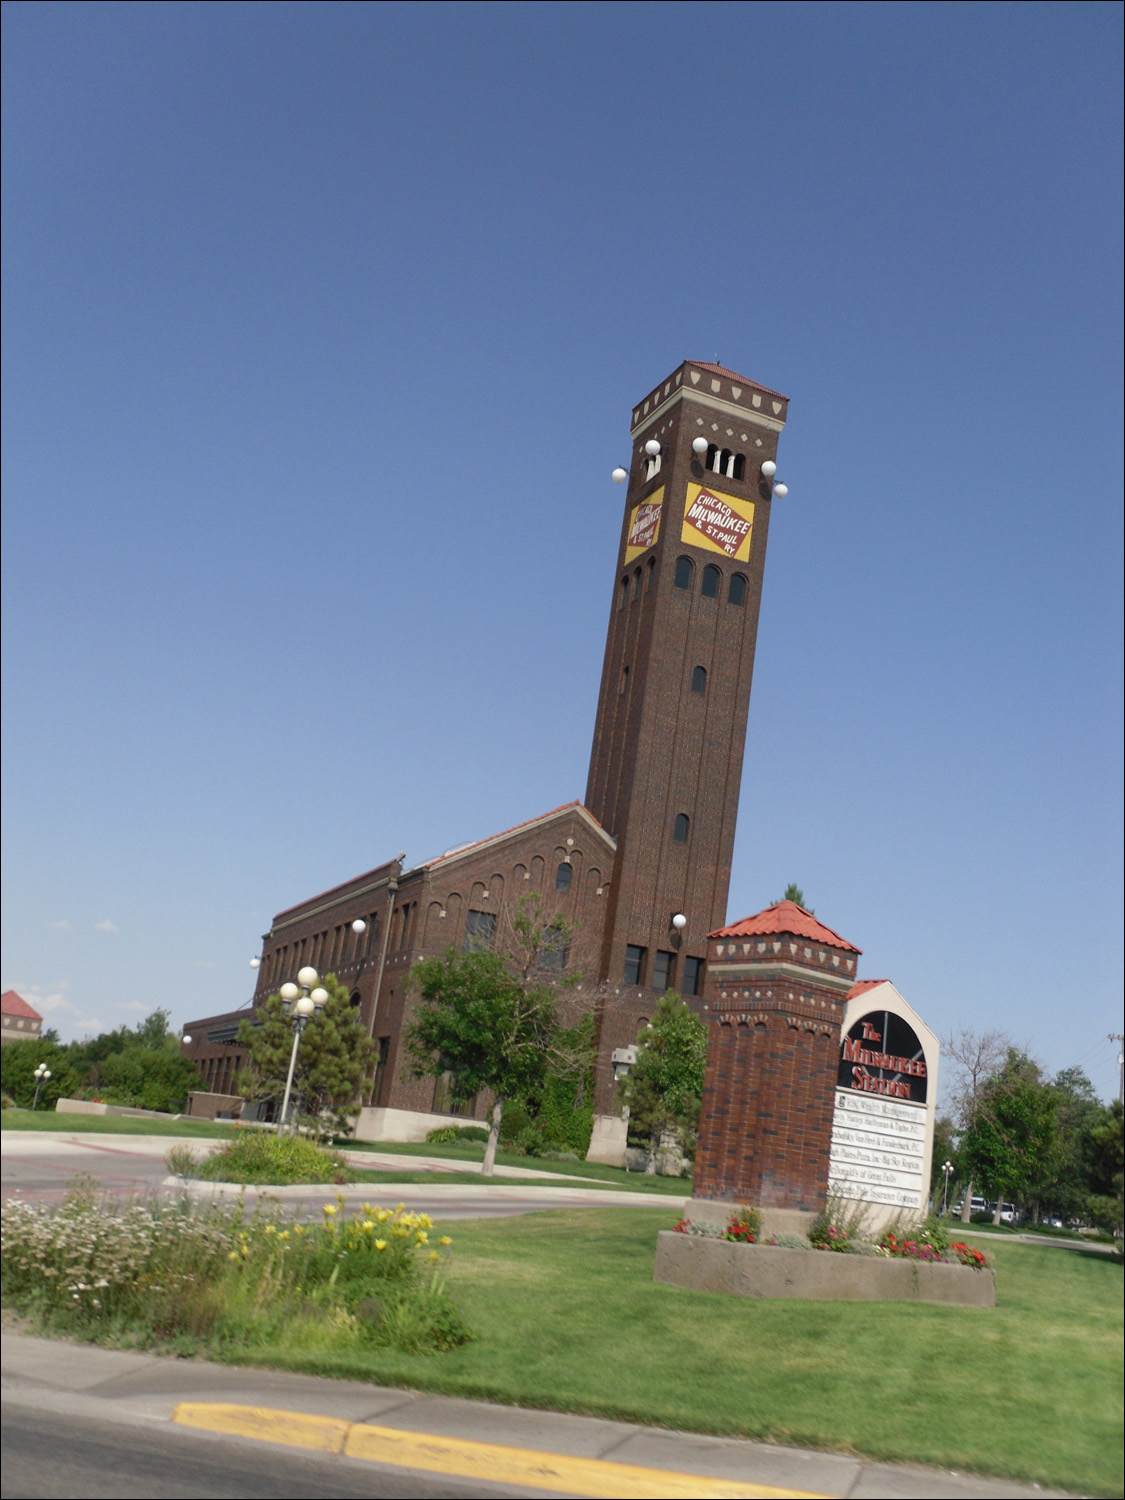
322,328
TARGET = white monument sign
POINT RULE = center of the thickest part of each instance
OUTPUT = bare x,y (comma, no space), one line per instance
886,1091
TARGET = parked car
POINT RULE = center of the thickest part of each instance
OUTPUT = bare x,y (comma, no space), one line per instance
976,1206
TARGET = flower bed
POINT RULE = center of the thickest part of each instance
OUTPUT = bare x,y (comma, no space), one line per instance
919,1267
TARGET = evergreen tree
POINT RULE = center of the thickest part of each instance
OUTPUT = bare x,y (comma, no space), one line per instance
334,1059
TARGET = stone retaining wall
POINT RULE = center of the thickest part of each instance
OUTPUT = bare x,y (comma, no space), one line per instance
768,1271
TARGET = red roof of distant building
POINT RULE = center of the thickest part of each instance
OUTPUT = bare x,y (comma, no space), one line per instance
785,916
864,985
12,1004
702,364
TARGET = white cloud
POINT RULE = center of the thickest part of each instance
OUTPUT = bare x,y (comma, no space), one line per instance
62,925
201,963
106,926
137,1005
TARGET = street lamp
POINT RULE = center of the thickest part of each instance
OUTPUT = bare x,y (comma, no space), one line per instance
41,1074
947,1172
300,1001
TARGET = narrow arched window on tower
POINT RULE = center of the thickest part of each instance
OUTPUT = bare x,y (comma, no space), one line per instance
562,877
637,576
699,680
685,571
739,470
650,575
680,828
624,593
711,576
652,468
736,594
713,458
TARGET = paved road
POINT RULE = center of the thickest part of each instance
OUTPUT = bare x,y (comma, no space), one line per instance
39,1165
68,1406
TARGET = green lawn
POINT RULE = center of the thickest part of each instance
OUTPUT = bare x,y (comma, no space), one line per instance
677,1187
569,1318
24,1119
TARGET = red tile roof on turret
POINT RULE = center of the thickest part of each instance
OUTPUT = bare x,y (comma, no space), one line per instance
864,985
12,1004
702,364
785,916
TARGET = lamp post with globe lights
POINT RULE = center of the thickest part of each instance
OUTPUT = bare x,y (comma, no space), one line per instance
947,1172
41,1074
301,1002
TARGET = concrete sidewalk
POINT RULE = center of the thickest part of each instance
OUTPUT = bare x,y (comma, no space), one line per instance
439,1434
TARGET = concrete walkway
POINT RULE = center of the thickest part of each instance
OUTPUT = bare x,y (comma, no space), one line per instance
533,1452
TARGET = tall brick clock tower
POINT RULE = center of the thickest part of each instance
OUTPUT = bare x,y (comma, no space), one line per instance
666,761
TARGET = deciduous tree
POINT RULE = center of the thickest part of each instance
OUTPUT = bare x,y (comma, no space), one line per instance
664,1087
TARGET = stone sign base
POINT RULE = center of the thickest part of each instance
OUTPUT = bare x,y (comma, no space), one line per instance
768,1271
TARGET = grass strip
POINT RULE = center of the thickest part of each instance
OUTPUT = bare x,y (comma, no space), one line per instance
676,1187
67,1124
568,1318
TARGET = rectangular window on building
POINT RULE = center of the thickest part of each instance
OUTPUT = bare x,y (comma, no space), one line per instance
445,1101
554,951
479,927
663,970
693,977
634,964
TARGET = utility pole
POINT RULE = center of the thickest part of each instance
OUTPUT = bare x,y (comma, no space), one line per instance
1116,1036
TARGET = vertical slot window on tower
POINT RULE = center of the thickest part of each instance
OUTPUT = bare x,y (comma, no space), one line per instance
680,828
685,571
663,969
699,680
634,964
693,977
623,593
736,592
650,575
711,579
636,584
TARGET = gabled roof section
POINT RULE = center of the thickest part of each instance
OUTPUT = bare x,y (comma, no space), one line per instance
863,986
12,1004
702,364
788,917
496,838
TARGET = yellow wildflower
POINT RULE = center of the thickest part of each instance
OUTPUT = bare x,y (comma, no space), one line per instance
445,1240
380,1244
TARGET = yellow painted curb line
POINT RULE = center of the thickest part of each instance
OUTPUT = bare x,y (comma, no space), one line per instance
490,1462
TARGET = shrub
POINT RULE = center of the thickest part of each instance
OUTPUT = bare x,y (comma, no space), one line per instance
472,1133
171,1271
259,1157
181,1161
530,1142
444,1135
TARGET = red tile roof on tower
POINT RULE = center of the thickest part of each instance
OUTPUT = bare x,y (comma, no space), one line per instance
703,364
785,916
12,1004
864,985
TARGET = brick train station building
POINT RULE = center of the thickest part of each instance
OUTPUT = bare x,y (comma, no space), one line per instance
653,839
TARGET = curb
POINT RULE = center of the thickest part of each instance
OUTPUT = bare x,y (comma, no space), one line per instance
487,1462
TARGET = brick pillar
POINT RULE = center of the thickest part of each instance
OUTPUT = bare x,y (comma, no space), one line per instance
775,1003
